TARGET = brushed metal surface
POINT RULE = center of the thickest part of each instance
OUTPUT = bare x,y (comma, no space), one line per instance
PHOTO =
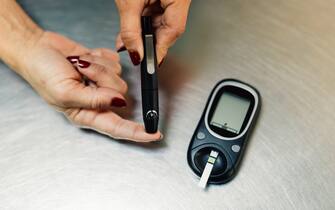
286,49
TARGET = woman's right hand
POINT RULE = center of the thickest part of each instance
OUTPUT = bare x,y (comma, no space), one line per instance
58,79
169,22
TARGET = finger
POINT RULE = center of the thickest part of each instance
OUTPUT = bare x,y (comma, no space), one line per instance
130,27
106,53
152,8
111,65
173,25
111,124
102,75
157,21
72,93
119,45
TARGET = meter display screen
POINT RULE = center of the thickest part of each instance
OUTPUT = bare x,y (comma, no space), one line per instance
230,112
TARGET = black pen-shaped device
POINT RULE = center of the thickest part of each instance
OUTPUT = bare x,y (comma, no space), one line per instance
149,81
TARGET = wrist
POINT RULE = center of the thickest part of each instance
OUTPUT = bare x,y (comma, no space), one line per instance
17,47
18,35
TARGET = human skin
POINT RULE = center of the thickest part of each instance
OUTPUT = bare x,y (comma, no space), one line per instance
42,59
169,21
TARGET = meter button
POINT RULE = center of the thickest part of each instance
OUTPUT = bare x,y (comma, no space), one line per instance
235,148
201,135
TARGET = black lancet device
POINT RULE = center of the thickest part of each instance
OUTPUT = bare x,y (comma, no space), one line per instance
149,81
220,139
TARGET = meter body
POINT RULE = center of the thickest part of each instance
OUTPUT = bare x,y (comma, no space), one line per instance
224,128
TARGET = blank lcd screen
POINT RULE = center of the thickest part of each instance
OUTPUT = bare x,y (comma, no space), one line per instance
230,112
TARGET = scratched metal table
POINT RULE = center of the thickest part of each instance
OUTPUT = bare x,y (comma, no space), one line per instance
284,48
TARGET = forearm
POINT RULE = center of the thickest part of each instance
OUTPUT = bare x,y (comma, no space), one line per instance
17,33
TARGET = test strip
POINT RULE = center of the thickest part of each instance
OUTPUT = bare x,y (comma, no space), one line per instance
208,169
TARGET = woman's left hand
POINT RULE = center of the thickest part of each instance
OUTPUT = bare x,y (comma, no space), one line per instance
55,66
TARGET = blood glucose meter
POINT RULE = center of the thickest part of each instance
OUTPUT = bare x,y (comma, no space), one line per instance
219,141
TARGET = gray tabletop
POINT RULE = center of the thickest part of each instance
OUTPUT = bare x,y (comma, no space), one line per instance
285,49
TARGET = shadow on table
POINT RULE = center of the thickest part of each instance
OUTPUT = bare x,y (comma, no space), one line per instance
173,75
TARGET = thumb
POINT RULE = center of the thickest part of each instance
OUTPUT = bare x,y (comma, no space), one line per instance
130,27
173,23
81,96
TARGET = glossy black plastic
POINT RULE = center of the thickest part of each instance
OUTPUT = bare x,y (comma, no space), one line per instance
149,81
228,161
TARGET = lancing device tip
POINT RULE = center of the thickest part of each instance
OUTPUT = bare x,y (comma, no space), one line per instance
208,169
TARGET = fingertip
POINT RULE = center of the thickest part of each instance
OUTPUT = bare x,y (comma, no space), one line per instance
83,64
142,136
161,50
134,57
118,102
132,41
161,54
161,62
119,44
154,137
121,49
73,59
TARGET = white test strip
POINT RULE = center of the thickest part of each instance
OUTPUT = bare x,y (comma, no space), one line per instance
208,169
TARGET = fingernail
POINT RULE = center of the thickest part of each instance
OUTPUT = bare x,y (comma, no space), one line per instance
83,64
159,65
73,59
123,48
161,137
135,57
118,102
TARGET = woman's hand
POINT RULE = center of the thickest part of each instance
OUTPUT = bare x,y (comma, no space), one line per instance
169,20
55,67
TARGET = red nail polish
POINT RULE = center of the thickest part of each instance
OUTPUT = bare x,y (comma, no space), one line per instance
118,102
159,65
73,59
123,48
83,64
135,58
